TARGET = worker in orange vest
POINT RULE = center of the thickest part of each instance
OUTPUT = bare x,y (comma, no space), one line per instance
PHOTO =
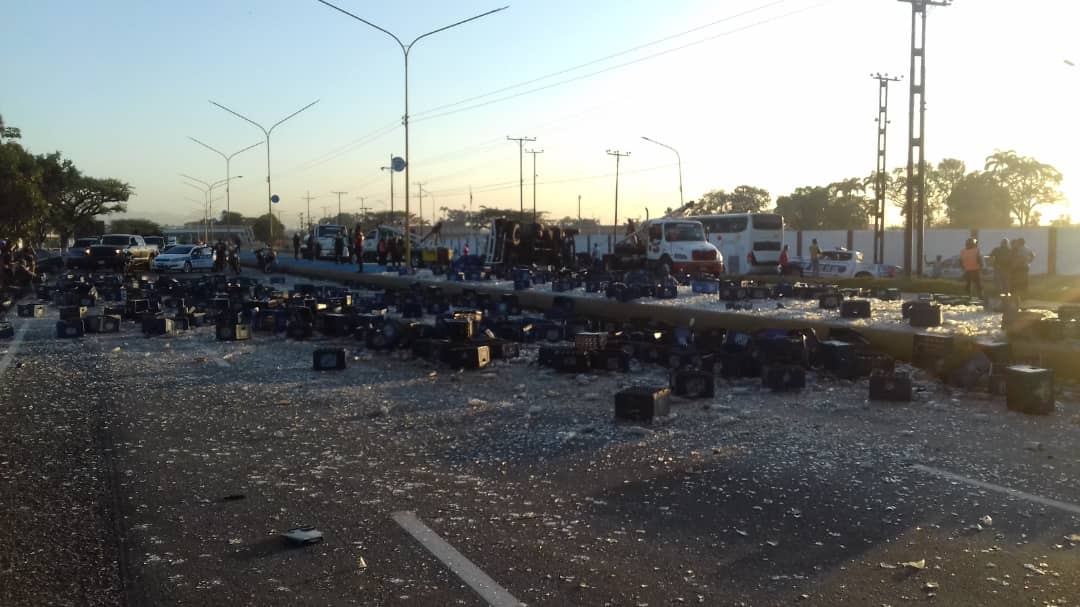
971,262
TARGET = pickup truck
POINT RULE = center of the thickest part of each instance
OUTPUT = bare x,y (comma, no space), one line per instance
842,263
120,251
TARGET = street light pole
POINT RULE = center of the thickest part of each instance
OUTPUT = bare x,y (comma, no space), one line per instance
405,48
210,196
677,157
266,133
228,158
391,169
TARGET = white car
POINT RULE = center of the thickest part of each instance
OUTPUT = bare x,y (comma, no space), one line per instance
842,263
184,258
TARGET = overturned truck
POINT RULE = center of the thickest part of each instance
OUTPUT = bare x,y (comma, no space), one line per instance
511,243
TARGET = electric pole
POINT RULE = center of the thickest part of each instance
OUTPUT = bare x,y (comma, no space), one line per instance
915,203
301,224
521,172
615,228
363,209
339,194
309,198
534,153
579,211
325,211
420,198
881,177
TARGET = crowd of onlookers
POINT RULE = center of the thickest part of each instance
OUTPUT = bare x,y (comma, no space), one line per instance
1011,263
18,264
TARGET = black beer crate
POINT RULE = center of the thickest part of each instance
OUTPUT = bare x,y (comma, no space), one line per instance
609,360
72,312
430,349
783,378
923,314
328,359
71,328
232,331
855,308
932,353
1029,390
458,329
590,341
784,349
830,301
734,365
106,323
888,294
642,404
998,352
158,326
467,356
516,330
693,384
891,387
135,307
7,331
335,325
503,349
1023,324
837,356
30,310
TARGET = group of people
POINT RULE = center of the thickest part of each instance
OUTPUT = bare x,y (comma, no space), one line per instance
391,251
18,264
227,255
1011,262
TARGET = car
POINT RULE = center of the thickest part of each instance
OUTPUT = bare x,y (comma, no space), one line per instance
78,256
842,263
184,258
155,241
950,269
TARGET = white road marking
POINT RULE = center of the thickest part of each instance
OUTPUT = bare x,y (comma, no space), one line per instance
1038,499
13,346
487,588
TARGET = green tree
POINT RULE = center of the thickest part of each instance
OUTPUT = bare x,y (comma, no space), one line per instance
261,228
978,201
1030,183
940,181
142,227
22,208
804,209
1062,221
743,199
73,197
234,219
8,131
839,206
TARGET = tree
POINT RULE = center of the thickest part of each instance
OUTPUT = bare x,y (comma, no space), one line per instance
72,197
839,206
1029,183
261,228
978,201
22,207
233,218
1063,221
142,227
743,199
940,181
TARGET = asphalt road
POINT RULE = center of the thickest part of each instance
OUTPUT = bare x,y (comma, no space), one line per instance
160,471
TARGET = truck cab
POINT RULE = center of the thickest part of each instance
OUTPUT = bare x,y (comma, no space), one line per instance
671,245
322,238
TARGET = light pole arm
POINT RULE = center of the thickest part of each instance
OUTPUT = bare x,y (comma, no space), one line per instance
474,18
678,158
290,116
242,117
205,184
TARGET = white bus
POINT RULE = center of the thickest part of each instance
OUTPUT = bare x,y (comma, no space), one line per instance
749,242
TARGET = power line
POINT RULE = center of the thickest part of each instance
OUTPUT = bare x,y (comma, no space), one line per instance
600,60
628,63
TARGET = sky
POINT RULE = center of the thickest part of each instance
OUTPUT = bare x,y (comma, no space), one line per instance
771,93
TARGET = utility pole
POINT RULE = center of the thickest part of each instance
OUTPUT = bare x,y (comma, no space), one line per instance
534,153
391,170
915,204
363,209
339,194
309,198
301,223
579,211
615,228
881,177
420,198
521,172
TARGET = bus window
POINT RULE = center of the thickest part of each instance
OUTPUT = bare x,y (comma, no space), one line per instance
768,222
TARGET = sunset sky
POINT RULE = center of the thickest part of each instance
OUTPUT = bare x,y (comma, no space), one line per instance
770,93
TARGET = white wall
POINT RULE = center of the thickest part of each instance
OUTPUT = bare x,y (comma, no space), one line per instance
1068,251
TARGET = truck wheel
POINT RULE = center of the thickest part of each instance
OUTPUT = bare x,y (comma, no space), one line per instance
187,267
864,275
318,252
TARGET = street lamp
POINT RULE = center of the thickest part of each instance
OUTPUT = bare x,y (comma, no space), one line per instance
677,157
266,133
228,158
405,48
209,192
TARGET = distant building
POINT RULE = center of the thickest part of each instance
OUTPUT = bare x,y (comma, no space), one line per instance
188,235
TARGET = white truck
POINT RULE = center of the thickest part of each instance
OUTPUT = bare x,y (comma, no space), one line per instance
842,263
320,241
667,245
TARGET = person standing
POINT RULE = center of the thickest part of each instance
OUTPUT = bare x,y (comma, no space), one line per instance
971,262
783,261
339,248
358,246
296,245
1021,266
465,249
381,251
1001,260
815,258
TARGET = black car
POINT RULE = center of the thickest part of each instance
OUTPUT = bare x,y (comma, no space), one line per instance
78,256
